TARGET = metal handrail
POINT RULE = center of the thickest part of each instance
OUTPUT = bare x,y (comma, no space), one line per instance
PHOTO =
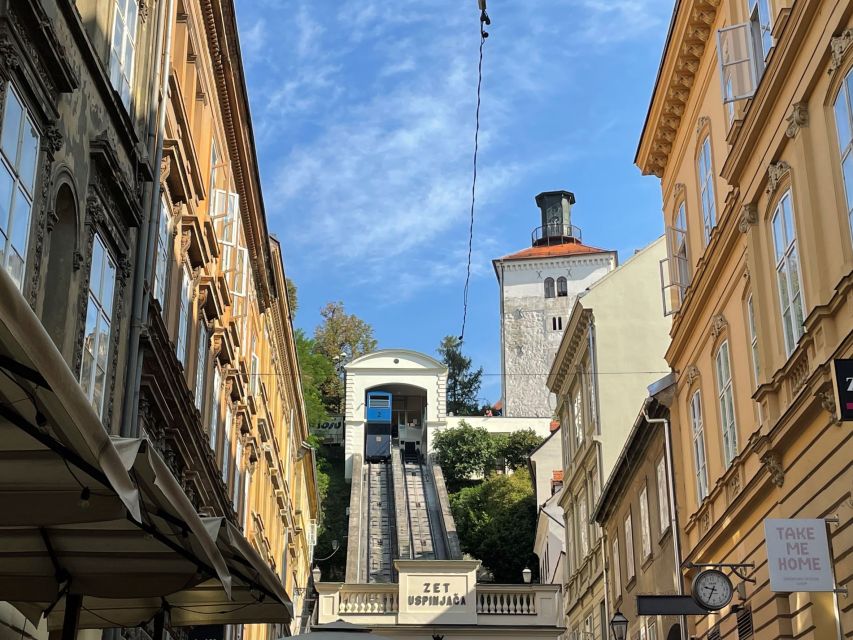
555,232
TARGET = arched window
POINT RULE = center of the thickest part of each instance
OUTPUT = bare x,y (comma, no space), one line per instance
725,394
706,187
788,276
844,125
549,287
699,461
562,287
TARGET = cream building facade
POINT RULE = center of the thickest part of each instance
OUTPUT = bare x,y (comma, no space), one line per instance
606,361
749,131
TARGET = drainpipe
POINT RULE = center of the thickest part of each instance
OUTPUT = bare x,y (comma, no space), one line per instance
673,514
146,238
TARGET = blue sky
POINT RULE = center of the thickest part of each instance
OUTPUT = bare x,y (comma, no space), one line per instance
363,113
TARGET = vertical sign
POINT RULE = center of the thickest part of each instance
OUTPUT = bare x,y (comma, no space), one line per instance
844,387
798,555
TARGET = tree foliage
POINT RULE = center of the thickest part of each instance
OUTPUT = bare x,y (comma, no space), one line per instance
464,451
292,298
496,523
341,332
463,385
515,447
317,372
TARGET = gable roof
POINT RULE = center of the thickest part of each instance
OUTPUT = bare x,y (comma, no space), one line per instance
553,251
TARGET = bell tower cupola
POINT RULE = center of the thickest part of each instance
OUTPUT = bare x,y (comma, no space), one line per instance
556,211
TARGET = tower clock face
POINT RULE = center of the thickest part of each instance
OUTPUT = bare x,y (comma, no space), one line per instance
554,214
712,589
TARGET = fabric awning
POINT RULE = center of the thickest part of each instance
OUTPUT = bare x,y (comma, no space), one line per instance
257,595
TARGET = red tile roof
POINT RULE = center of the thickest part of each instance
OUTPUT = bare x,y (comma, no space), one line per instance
552,251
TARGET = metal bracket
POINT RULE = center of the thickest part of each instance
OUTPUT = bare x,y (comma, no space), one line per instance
734,567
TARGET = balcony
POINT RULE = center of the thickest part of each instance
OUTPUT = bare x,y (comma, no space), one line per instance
556,233
452,598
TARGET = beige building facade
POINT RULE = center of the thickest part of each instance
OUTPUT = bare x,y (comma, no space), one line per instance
749,131
606,361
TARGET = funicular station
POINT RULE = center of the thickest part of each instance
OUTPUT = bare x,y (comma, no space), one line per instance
406,575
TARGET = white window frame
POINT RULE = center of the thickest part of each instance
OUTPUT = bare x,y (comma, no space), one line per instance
663,494
577,417
788,273
12,241
201,362
761,23
630,568
161,266
226,444
237,490
753,339
707,193
101,300
700,458
182,343
645,525
583,523
844,128
125,24
652,626
617,568
214,408
725,396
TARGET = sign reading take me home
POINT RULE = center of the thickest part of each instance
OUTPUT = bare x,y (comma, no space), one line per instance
798,555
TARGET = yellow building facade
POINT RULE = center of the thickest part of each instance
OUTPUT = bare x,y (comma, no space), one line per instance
749,131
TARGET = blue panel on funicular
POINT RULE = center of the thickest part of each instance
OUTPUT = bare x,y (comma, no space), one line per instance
377,439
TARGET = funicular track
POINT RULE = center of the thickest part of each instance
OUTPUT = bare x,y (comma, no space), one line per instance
380,531
427,541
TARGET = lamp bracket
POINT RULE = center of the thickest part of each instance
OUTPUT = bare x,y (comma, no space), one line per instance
736,568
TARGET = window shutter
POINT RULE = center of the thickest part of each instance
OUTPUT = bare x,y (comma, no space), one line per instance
736,54
714,633
744,624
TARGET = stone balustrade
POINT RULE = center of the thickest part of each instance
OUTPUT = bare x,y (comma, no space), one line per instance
372,599
499,601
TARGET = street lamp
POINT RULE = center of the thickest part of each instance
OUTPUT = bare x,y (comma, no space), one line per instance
316,574
619,625
526,574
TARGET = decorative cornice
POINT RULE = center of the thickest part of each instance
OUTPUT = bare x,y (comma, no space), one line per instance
799,117
838,47
675,81
748,217
775,172
772,461
718,325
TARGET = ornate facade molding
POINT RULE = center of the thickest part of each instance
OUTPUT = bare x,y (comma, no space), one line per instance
827,402
748,217
679,191
775,172
718,325
772,461
838,47
701,123
692,374
799,117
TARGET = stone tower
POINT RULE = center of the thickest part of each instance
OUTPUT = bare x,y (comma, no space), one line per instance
538,286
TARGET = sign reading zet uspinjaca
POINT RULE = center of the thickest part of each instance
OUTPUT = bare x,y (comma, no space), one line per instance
844,385
798,555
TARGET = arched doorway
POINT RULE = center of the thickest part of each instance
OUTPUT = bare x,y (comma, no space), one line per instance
408,415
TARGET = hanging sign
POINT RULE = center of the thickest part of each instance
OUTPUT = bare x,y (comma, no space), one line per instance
798,555
331,431
844,387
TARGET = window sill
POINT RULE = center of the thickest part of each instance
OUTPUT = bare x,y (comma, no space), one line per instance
647,562
666,533
632,582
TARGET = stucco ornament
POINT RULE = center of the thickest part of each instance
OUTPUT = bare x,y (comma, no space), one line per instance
701,123
775,172
773,463
718,324
692,374
748,217
838,47
827,401
679,190
799,117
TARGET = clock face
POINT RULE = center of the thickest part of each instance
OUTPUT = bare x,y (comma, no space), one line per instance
712,589
554,214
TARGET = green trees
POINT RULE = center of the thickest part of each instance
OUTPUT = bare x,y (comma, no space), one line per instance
496,523
463,385
517,445
464,451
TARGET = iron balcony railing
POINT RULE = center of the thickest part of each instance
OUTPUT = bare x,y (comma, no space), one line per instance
555,234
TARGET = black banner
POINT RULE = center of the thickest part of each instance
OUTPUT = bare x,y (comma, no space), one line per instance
844,386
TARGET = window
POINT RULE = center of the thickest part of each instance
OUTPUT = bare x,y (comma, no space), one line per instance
583,524
645,527
96,341
761,27
727,409
753,339
161,266
629,548
663,495
587,626
591,381
19,149
678,250
238,475
183,315
254,369
562,287
706,187
617,570
549,288
788,273
577,417
122,52
700,464
226,444
201,362
844,125
557,323
652,627
642,632
214,408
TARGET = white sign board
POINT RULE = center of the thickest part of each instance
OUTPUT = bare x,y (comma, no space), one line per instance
798,555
